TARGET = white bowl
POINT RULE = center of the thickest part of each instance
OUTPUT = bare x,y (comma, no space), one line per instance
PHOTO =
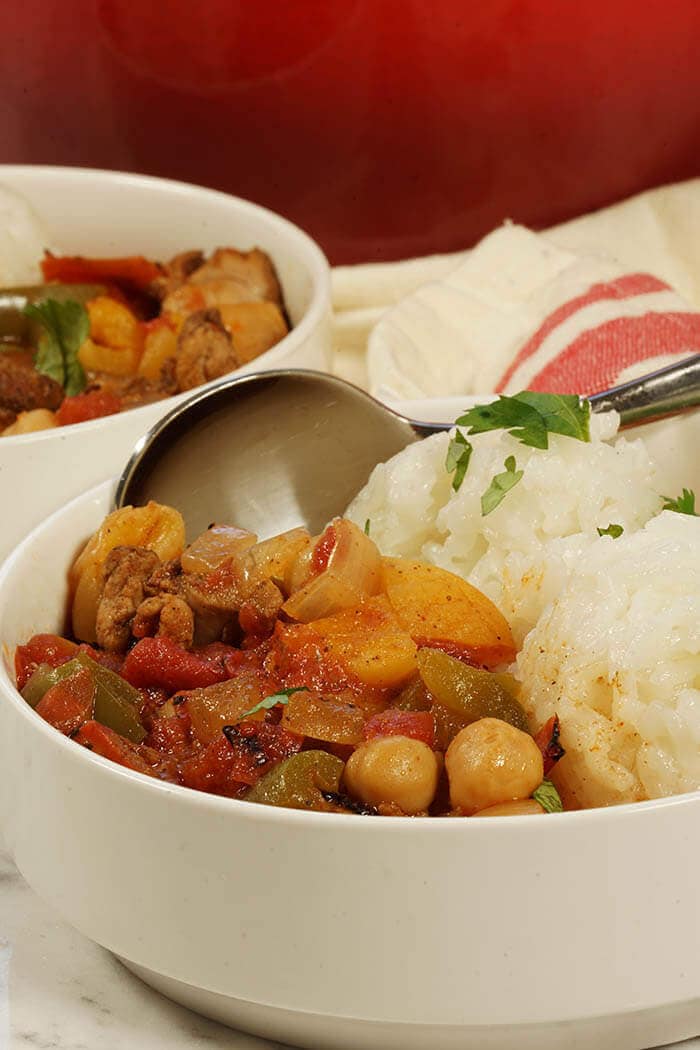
110,213
336,931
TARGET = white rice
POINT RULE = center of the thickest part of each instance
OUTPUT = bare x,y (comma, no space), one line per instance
608,627
521,553
617,657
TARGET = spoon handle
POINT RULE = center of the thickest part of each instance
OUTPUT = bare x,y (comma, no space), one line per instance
669,391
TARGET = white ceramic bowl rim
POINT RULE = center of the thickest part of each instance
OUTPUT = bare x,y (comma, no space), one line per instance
311,255
257,811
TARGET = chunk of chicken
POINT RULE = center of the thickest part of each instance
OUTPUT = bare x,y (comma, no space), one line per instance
252,271
258,613
126,570
204,350
167,579
227,277
166,616
22,388
7,418
176,272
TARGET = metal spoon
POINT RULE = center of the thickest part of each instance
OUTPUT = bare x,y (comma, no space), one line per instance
273,450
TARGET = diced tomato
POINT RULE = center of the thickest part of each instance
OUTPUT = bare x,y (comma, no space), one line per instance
152,699
323,550
239,758
160,662
171,736
68,704
419,725
92,405
41,649
104,741
134,270
547,739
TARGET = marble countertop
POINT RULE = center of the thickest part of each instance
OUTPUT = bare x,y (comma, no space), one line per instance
59,991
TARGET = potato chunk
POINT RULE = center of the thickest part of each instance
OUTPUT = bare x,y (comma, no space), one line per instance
369,641
440,609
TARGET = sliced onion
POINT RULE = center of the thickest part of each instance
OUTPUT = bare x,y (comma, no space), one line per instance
273,559
214,546
353,572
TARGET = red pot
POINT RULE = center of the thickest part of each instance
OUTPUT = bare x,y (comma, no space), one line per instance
386,128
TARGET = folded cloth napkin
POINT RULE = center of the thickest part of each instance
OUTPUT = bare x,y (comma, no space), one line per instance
586,305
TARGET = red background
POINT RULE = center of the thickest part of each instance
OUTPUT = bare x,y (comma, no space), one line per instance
386,128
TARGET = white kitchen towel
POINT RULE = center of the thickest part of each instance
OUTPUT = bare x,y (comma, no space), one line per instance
591,279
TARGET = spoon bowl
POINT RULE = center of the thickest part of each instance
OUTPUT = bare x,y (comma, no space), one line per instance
269,451
274,450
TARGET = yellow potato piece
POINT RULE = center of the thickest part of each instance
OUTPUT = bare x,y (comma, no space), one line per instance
155,526
254,327
113,324
31,421
111,360
160,345
369,641
438,608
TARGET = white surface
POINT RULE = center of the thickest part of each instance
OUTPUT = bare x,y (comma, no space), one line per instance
65,993
356,918
108,213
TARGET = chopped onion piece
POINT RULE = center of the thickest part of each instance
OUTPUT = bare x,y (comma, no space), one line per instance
352,572
210,549
273,559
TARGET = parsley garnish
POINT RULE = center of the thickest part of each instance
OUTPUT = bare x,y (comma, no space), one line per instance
548,797
683,504
612,530
66,327
459,453
500,484
530,416
367,525
271,701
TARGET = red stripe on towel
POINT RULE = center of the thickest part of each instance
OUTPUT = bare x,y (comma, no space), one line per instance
625,287
594,361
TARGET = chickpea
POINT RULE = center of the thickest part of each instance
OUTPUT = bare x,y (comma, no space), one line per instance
491,761
394,769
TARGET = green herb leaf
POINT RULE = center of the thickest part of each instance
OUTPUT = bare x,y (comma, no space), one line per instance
367,525
519,419
612,530
566,414
548,797
683,504
459,452
271,701
66,327
500,484
529,416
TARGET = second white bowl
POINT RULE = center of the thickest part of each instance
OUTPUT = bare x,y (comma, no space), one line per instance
107,213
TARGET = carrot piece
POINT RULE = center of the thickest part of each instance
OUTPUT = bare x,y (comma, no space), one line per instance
132,270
